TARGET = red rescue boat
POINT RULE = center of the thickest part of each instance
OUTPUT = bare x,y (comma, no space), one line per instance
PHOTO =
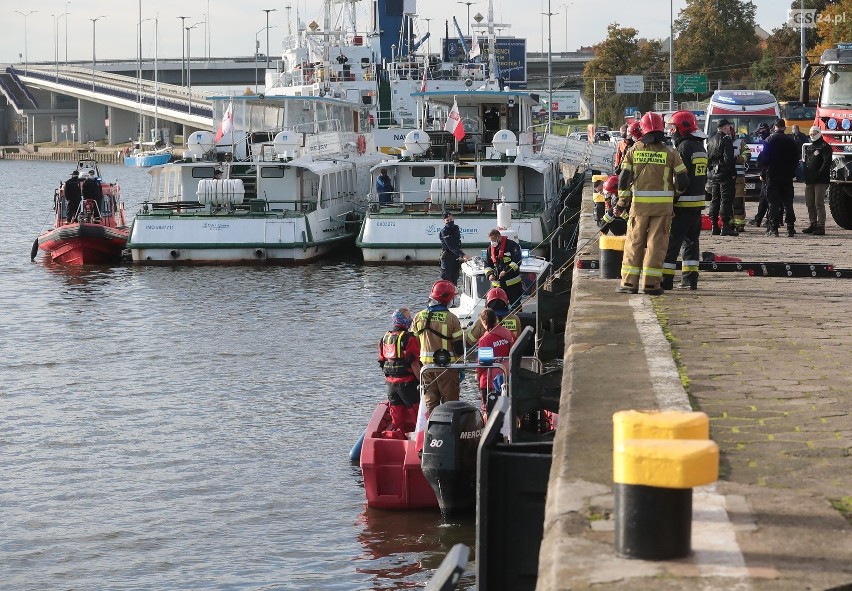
97,233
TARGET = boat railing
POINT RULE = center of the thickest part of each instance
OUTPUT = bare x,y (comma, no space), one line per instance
400,204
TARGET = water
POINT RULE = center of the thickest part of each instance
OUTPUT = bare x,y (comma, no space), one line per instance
189,428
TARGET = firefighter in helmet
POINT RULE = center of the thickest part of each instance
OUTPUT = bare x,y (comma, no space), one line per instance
742,156
503,266
686,225
399,358
497,300
651,175
633,133
438,328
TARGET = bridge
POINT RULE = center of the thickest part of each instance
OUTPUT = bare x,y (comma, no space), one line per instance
49,102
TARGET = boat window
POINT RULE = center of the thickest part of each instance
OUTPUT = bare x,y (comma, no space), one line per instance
422,171
272,172
494,172
482,285
202,172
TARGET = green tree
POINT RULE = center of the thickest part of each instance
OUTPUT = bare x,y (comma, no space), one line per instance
717,38
834,25
623,53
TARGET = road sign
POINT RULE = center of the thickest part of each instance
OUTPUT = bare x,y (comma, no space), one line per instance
690,82
629,84
628,111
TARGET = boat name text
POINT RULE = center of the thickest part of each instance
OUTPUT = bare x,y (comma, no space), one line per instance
215,226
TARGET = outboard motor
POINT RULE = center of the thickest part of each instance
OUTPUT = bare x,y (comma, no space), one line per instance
449,455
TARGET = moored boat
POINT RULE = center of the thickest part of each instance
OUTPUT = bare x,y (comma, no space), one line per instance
145,155
288,191
97,232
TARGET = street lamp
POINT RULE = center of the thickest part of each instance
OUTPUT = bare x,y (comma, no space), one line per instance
26,59
429,38
468,14
565,7
549,68
182,51
94,20
256,48
267,11
56,19
671,55
189,64
66,32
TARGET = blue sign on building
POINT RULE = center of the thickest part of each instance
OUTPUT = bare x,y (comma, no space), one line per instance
628,111
511,57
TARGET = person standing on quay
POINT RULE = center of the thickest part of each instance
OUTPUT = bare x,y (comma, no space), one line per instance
651,175
721,178
781,158
818,158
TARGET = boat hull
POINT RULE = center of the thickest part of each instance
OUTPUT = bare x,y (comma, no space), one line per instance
214,239
84,244
145,160
413,238
393,477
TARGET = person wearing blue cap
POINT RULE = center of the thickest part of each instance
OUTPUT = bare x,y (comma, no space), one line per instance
399,358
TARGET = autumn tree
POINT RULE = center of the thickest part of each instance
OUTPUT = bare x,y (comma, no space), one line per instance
717,38
834,25
623,53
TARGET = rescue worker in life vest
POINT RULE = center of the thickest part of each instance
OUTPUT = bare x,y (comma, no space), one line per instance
497,300
399,358
686,225
503,266
651,175
438,328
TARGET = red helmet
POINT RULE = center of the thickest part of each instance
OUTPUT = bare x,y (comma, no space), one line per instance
635,130
611,184
495,293
684,121
443,291
652,122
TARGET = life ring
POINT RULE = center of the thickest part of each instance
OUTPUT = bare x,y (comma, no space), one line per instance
361,144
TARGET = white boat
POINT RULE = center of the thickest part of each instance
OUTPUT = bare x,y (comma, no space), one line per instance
489,172
290,189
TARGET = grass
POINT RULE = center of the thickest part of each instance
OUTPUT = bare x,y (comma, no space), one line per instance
663,319
844,506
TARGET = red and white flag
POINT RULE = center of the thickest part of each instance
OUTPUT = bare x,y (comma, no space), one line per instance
227,123
423,84
454,124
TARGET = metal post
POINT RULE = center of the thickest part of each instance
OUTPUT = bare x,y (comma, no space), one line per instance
207,29
549,71
94,20
804,61
66,32
267,11
26,57
468,13
189,65
671,55
182,50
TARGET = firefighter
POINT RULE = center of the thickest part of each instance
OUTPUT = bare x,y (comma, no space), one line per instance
617,226
497,300
686,225
598,197
632,133
399,353
721,177
651,175
503,266
438,328
742,155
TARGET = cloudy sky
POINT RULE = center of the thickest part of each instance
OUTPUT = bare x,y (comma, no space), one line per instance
234,25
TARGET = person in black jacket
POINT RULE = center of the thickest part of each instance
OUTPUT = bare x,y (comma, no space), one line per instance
73,196
780,158
721,178
686,225
761,134
818,158
503,266
451,252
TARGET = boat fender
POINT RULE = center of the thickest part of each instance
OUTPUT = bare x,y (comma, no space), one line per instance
34,250
355,452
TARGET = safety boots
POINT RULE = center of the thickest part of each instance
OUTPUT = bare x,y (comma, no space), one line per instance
667,282
819,231
791,231
689,281
728,229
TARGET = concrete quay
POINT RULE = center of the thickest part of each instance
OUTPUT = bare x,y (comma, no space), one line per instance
768,359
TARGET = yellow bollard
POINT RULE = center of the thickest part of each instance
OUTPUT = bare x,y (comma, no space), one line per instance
612,255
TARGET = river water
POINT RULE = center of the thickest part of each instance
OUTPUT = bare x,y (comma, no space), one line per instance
189,428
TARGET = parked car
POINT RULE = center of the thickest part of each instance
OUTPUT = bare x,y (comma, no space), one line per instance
579,135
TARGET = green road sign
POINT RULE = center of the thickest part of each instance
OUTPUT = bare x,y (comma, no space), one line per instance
690,83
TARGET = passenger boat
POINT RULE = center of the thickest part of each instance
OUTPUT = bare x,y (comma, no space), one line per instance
489,170
290,189
98,232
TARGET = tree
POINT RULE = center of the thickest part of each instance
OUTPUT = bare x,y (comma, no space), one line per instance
717,38
834,25
622,53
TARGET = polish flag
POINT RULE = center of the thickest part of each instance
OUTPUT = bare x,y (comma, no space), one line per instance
454,124
227,123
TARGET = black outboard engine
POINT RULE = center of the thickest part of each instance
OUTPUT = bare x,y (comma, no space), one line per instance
449,455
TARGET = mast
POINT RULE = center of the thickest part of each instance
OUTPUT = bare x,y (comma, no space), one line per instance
156,78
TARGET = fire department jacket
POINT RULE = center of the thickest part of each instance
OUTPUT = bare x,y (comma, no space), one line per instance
651,175
437,328
691,150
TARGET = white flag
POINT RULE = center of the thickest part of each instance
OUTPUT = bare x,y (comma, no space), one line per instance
227,123
454,124
474,46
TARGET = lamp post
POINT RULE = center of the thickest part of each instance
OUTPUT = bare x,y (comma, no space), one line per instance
189,65
468,14
56,19
549,68
565,7
256,50
428,39
267,11
94,20
66,32
671,55
26,59
182,51
207,30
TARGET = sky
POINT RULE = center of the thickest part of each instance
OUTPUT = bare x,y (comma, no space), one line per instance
234,26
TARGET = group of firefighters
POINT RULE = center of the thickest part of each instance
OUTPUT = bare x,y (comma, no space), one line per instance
414,341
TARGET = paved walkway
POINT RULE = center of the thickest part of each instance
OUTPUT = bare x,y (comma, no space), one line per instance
768,359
